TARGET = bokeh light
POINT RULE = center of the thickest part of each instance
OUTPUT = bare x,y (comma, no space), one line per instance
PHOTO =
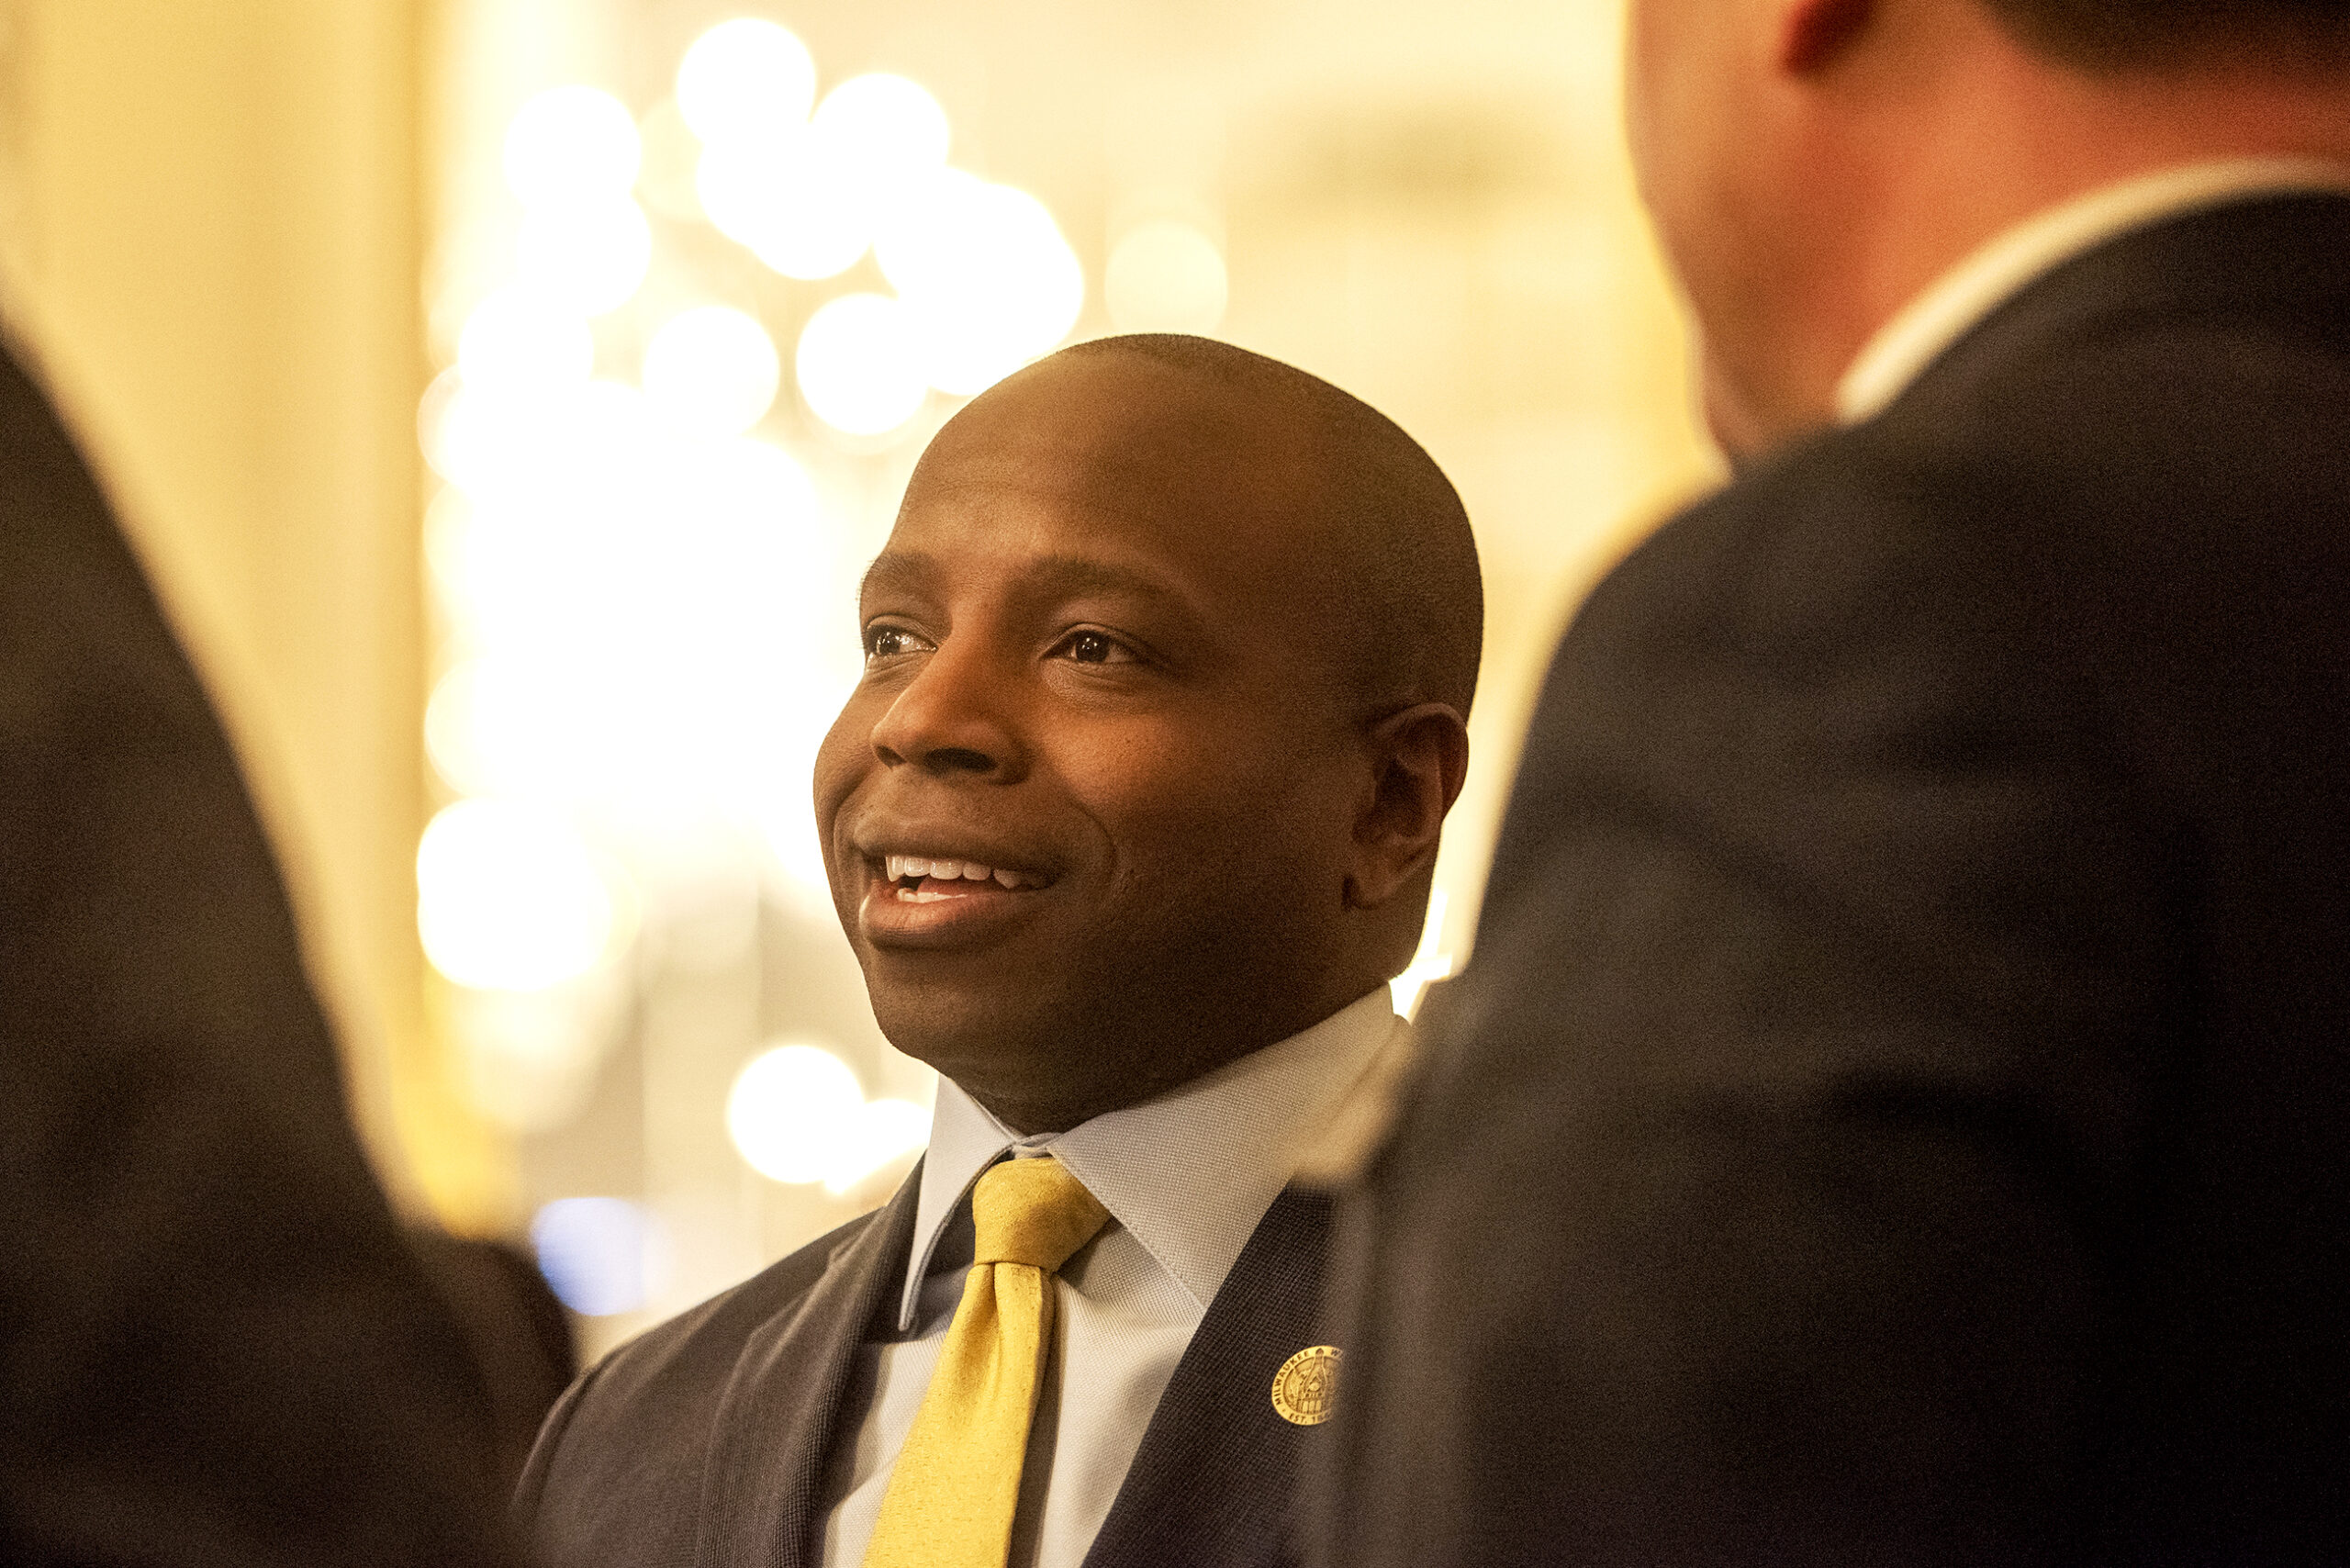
642,610
1165,276
577,451
713,370
988,279
497,726
859,365
652,617
451,727
804,214
527,1059
591,256
672,157
571,146
600,1255
881,1131
789,1112
885,130
516,340
797,1115
508,898
806,199
747,80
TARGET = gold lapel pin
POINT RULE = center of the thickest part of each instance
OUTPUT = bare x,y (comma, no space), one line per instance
1305,1386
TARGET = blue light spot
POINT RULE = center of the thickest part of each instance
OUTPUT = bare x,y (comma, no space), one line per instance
592,1251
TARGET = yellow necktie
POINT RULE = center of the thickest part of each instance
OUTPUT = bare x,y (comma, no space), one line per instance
957,1480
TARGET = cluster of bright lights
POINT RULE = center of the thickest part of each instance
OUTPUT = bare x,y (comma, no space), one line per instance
572,156
712,370
798,1115
645,599
982,280
507,899
647,606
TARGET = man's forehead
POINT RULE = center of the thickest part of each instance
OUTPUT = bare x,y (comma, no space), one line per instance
1169,519
1196,591
1122,462
1116,425
1122,532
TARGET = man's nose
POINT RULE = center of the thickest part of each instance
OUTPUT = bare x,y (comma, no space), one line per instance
951,719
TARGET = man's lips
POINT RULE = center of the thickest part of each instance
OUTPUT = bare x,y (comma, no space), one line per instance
939,900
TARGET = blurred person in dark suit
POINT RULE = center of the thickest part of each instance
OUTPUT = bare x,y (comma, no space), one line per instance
519,1335
1130,820
1899,1109
215,1346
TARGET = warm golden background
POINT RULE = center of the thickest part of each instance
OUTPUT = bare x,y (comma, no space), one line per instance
244,239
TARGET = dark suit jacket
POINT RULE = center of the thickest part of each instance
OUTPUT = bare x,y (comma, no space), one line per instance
704,1443
1899,1110
215,1347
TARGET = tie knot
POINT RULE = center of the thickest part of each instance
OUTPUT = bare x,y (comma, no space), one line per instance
1032,1211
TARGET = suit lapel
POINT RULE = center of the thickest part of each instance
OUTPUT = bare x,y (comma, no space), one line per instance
1214,1482
775,1420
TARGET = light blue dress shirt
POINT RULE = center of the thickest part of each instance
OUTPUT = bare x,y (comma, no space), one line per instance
1186,1178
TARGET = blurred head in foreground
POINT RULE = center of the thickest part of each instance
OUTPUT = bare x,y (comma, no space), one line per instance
1168,662
1812,164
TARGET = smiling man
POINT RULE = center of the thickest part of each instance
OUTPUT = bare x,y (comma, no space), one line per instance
1130,820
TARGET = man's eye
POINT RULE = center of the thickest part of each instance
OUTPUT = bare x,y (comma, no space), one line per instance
888,642
1093,648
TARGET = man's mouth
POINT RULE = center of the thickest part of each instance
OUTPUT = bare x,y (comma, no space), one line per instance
943,901
922,879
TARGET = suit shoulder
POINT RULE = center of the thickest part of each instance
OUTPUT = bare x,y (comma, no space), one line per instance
2132,469
1780,559
640,1419
695,1350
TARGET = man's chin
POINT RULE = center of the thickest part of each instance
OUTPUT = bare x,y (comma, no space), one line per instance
975,1035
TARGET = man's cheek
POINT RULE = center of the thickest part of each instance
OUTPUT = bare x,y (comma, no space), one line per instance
839,766
841,757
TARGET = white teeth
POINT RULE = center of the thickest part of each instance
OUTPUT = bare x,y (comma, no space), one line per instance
901,867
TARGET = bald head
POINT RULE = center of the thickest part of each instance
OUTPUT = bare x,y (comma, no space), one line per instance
1173,644
1401,561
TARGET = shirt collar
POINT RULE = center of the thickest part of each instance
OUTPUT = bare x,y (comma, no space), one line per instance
1920,330
1189,1173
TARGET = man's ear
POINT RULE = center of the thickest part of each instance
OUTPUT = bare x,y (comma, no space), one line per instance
1418,758
1814,35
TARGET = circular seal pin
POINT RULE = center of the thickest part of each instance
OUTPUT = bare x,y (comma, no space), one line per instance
1305,1386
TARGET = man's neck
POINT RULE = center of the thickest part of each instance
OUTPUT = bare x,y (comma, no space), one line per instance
2011,136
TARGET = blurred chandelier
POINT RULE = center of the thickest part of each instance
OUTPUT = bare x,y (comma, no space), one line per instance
643,601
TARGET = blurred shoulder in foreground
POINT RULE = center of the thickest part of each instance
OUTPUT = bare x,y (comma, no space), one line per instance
1895,1114
215,1345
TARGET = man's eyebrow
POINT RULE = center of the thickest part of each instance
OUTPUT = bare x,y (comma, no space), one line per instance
1046,577
1061,577
900,571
